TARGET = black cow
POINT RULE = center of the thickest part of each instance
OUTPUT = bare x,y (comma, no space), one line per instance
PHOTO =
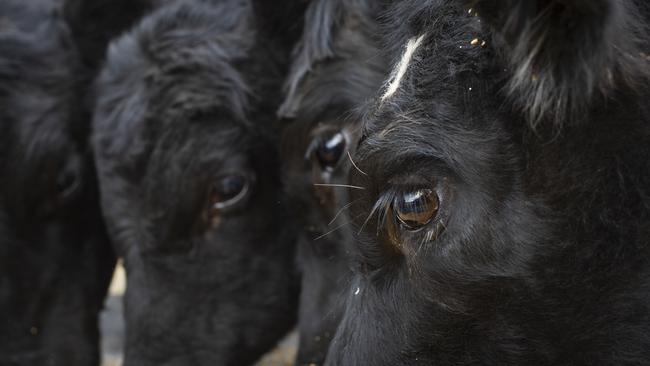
504,213
190,182
337,68
55,258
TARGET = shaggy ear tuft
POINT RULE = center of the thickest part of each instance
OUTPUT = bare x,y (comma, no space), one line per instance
315,45
563,54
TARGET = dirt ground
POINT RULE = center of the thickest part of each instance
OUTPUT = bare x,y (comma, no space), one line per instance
112,329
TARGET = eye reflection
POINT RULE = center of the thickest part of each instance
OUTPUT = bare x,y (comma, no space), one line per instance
416,209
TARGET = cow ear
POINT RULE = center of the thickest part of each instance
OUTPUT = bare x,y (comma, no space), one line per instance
321,21
565,54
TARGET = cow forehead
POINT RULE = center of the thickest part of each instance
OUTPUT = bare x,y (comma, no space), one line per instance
402,66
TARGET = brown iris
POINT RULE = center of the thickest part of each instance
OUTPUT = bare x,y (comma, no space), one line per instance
416,209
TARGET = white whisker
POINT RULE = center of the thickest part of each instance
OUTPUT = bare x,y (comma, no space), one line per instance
336,228
331,231
338,185
427,238
340,211
372,212
355,165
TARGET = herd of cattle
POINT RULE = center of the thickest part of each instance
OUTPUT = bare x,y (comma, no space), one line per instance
414,182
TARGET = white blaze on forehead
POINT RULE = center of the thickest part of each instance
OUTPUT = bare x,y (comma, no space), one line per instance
402,66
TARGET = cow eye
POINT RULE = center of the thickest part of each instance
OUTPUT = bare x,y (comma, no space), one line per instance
66,184
329,150
68,179
415,209
228,190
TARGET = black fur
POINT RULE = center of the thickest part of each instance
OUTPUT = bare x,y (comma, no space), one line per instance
337,67
539,252
55,258
94,23
600,43
185,98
